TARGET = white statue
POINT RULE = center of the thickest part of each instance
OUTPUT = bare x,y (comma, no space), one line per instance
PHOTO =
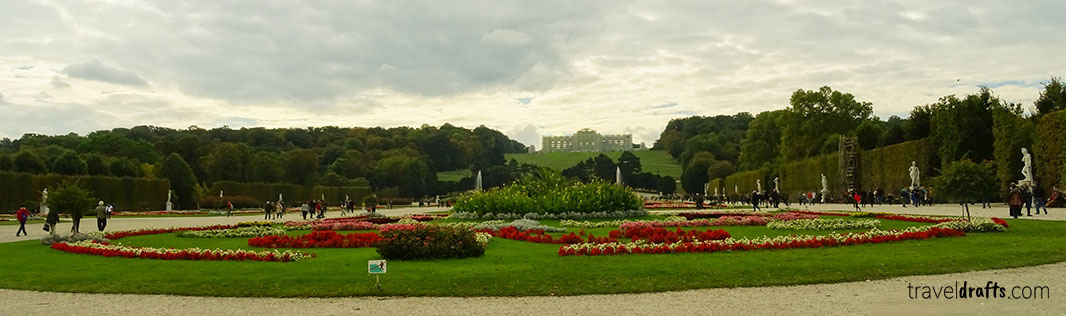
825,188
169,193
758,184
1027,166
736,190
44,201
777,186
716,191
220,194
916,175
279,197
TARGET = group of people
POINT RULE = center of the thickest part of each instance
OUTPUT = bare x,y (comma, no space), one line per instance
1026,195
272,210
314,208
915,196
102,212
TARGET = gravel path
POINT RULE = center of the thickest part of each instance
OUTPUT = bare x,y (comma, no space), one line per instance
882,297
873,297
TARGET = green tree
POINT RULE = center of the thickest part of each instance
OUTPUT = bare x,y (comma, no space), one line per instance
870,133
182,180
720,169
964,182
70,164
265,167
814,115
70,198
7,163
301,166
667,185
26,161
893,131
1012,131
96,165
962,128
629,163
919,123
227,161
695,174
125,167
761,142
1052,99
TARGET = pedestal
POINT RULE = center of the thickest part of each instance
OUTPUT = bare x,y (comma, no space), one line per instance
44,210
170,206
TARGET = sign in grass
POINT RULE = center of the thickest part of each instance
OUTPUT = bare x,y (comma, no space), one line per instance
376,266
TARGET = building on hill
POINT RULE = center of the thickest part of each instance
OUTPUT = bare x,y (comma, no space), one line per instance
587,140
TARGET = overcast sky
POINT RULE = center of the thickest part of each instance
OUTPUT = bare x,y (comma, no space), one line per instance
527,68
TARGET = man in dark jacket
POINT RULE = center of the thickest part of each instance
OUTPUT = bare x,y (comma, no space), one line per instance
76,217
22,215
755,198
51,220
1039,200
101,216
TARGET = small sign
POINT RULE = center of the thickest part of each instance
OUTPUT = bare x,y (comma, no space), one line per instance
376,266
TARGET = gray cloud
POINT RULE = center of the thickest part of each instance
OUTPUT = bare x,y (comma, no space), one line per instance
59,83
95,70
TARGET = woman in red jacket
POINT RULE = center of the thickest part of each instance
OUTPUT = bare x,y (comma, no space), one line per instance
23,215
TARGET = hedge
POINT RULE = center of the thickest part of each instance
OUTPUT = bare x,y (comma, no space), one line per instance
745,182
1049,152
888,168
290,192
124,193
806,175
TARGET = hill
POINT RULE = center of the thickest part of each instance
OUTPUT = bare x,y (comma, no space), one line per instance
654,161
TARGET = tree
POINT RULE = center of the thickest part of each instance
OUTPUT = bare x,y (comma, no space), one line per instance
667,185
964,181
761,142
70,164
265,167
95,165
893,131
301,166
695,174
720,169
869,134
629,163
26,161
227,161
962,128
918,124
7,163
70,198
814,115
182,180
1052,99
125,167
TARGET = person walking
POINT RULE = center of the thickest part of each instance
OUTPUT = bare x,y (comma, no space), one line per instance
1039,199
50,222
755,197
304,209
1027,199
101,216
229,208
699,201
267,209
1014,201
76,217
22,215
905,196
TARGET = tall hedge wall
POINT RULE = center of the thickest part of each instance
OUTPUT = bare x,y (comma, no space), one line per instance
124,193
806,175
1049,152
745,182
290,192
888,168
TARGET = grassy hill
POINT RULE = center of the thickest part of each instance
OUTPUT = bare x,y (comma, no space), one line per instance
654,161
453,176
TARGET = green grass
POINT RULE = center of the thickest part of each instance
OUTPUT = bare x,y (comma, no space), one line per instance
453,176
512,268
654,161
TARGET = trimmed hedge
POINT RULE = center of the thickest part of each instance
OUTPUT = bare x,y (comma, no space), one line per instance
521,199
806,175
1049,152
290,192
124,193
745,182
888,167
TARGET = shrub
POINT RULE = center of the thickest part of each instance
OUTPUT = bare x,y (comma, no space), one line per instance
93,236
429,242
524,198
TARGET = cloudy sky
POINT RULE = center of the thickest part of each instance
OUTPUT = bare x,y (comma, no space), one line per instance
528,68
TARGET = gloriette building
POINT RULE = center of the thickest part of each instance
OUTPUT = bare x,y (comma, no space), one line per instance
587,140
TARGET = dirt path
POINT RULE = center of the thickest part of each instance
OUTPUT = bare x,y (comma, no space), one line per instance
882,297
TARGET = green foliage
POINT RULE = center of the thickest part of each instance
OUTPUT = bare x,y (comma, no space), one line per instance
123,193
761,142
71,198
70,164
182,181
26,161
1052,99
666,185
301,166
654,161
719,169
918,124
7,163
962,128
965,181
695,175
870,133
720,135
549,198
1012,132
814,115
228,161
125,167
743,181
96,166
429,242
893,131
887,168
805,175
1049,150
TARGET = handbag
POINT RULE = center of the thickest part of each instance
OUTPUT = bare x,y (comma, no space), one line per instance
45,227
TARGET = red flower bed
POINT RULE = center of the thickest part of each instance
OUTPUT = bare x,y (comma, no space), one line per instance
317,239
106,250
716,246
1000,221
538,236
697,215
153,231
662,235
820,213
917,219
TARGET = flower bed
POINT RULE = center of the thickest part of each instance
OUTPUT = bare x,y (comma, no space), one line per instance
790,216
335,226
699,215
251,231
540,237
919,219
430,242
318,239
153,231
157,213
106,250
824,224
391,227
823,213
976,225
740,221
780,242
662,235
255,223
521,225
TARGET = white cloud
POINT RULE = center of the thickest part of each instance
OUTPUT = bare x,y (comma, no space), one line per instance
614,68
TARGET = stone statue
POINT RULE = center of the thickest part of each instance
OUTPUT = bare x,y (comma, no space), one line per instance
169,193
736,190
916,180
44,196
825,188
279,197
777,186
758,184
220,194
1027,166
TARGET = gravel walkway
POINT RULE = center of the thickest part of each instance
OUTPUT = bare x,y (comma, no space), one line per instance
882,297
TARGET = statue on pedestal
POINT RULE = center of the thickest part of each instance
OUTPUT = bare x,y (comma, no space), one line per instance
916,175
825,188
44,201
170,205
777,186
758,184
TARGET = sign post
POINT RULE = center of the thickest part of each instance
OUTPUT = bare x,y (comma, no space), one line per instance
377,268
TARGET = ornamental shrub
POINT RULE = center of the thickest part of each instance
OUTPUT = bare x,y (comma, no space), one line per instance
429,242
525,198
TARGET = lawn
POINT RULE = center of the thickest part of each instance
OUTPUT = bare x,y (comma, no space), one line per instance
453,176
654,161
513,268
